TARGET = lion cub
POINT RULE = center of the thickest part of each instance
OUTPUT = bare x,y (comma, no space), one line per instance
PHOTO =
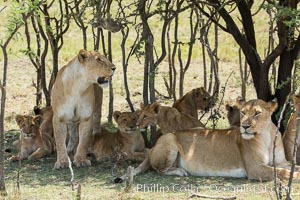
128,138
290,133
33,144
196,99
169,119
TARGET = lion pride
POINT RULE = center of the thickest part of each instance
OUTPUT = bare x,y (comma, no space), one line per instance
236,152
73,103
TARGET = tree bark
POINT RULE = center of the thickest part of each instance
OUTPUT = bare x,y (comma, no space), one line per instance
3,99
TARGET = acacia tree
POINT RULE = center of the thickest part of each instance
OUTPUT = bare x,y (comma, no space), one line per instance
286,50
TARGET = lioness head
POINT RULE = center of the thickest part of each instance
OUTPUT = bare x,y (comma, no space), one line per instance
148,115
126,121
233,115
45,113
29,125
98,68
255,116
202,99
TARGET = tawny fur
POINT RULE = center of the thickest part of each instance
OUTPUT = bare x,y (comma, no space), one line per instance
290,133
73,103
128,139
33,144
169,119
194,100
234,152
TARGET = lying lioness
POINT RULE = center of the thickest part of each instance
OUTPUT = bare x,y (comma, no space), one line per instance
169,119
128,139
73,103
290,133
196,99
238,152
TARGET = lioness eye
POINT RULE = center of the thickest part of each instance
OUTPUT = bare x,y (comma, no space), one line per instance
257,113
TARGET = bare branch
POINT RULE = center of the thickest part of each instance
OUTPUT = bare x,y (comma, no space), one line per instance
3,8
274,147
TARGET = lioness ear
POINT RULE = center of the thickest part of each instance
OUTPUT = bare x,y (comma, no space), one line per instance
202,90
155,107
240,101
37,110
138,113
273,104
37,120
116,115
197,92
82,55
296,98
142,106
19,119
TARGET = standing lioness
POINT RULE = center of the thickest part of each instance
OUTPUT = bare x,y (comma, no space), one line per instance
73,102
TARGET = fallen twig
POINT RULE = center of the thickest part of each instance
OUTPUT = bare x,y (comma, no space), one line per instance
72,173
78,195
129,180
211,197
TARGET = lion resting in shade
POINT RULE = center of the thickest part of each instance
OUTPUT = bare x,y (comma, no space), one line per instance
128,139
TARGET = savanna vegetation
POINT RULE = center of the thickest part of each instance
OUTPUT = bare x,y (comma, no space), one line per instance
161,49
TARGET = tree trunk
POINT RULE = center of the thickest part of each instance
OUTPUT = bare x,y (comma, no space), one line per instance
2,174
283,86
125,65
39,92
111,91
3,99
84,37
170,84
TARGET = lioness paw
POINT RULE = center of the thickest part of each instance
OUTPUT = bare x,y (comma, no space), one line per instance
82,163
61,164
14,158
